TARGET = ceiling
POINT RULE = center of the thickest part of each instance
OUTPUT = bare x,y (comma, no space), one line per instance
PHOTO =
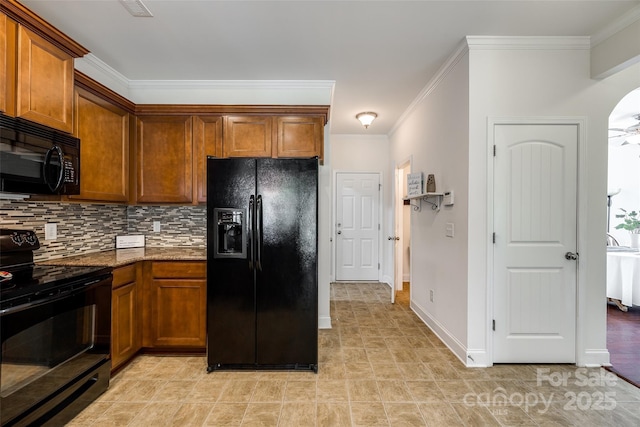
380,54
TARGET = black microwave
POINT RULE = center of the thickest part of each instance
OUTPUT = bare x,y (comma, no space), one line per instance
35,159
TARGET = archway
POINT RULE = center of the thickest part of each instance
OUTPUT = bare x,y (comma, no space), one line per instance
623,311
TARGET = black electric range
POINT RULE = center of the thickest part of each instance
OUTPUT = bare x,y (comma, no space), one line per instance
35,282
23,282
55,335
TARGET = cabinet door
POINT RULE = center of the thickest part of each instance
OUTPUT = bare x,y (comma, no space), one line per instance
124,334
178,312
164,159
207,141
247,136
8,29
45,82
104,152
125,318
178,304
299,136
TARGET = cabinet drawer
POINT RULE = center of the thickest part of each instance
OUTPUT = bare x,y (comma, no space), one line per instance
124,275
182,270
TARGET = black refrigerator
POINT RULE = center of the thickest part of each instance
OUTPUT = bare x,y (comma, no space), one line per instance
262,278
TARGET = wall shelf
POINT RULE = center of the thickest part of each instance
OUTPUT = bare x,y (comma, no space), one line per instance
435,202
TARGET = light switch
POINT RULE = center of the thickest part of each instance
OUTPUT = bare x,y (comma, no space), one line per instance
156,226
449,229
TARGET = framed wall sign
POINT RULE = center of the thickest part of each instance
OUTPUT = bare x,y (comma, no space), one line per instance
414,184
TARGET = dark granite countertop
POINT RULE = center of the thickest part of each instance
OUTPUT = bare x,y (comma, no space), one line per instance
120,257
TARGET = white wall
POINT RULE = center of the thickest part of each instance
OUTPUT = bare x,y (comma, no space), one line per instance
435,135
368,153
446,134
535,82
324,236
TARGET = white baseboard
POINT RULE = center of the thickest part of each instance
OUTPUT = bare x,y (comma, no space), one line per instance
324,322
449,340
477,358
406,277
388,280
592,358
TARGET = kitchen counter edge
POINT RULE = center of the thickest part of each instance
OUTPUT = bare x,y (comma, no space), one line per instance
120,257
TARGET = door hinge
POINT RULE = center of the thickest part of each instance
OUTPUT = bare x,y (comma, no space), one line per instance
494,237
379,187
494,151
493,324
378,226
378,266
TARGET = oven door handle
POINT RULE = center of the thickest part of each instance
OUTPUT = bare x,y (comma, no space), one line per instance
49,299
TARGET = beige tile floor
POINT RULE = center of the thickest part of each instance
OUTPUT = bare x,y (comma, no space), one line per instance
379,366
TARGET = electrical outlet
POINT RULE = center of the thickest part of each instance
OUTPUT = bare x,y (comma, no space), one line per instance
156,226
431,295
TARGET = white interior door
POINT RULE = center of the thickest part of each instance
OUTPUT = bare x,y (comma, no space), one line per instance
535,225
357,226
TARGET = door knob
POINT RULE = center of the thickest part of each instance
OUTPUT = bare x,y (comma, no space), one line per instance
339,232
571,255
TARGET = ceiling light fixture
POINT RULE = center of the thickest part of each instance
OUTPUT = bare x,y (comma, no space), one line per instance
366,118
137,8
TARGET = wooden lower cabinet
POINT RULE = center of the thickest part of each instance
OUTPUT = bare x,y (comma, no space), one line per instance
177,301
125,315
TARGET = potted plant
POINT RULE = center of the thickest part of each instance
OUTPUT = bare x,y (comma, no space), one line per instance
631,223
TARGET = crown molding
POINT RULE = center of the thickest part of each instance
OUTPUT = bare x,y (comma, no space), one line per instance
492,43
528,43
239,92
616,26
461,50
103,73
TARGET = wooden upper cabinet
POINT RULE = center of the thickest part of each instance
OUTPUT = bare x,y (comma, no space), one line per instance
44,82
7,64
247,136
299,136
207,141
103,129
164,151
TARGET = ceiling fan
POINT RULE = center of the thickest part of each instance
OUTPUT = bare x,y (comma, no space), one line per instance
625,136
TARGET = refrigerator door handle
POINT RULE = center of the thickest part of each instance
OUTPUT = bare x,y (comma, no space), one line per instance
250,232
259,232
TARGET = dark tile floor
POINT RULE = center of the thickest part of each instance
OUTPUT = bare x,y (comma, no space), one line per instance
623,342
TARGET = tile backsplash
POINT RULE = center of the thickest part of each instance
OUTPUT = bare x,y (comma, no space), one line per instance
85,228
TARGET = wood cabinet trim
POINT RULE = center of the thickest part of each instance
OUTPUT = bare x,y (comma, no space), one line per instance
254,110
88,84
30,20
124,275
